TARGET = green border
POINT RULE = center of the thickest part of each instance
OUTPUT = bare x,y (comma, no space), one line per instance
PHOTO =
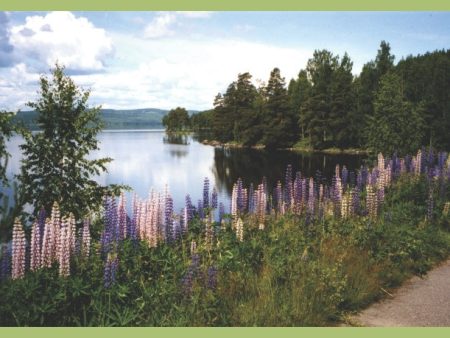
226,332
229,5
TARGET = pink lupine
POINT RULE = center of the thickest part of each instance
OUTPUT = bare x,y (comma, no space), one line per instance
64,248
18,251
47,253
35,252
86,239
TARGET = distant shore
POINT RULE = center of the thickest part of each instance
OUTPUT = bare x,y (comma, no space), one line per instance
330,151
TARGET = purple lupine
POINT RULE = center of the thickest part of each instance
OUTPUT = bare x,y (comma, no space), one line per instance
344,177
251,199
168,218
206,193
221,211
351,178
430,205
297,192
110,271
240,196
279,198
304,192
212,277
356,202
311,198
122,217
288,188
442,156
200,210
214,198
5,262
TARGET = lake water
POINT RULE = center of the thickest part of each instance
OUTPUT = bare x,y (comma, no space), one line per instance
145,159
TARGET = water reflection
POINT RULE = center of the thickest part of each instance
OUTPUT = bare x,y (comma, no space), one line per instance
175,138
147,159
252,165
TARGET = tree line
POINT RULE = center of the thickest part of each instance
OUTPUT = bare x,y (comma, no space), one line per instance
387,107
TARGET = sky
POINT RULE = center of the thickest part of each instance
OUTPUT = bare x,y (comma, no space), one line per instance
167,59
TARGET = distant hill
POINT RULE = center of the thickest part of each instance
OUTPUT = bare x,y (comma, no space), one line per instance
146,118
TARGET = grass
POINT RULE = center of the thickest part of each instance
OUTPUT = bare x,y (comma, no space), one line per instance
294,273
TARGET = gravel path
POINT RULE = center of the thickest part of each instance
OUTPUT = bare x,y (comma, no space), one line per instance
419,302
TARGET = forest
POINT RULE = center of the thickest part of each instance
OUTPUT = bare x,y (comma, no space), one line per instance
389,107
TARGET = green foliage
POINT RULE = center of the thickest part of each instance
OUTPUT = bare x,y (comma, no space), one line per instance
176,120
396,124
293,273
56,166
328,107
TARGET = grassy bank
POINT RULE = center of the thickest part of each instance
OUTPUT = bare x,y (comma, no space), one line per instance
295,272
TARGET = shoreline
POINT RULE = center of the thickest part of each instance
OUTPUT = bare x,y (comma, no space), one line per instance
328,151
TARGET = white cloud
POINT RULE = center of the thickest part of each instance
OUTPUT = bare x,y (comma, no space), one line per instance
196,14
161,26
186,73
60,36
165,23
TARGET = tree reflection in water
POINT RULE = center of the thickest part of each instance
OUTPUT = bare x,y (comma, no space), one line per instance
251,165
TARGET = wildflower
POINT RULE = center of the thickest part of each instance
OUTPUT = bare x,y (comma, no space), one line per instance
47,244
214,198
240,229
64,248
212,277
35,251
18,251
110,271
206,193
5,262
86,238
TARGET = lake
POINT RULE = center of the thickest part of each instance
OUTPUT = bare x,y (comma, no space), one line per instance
146,159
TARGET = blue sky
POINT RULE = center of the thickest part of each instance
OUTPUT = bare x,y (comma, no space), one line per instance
169,59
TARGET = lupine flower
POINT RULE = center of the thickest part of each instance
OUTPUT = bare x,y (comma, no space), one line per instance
35,251
200,210
110,271
304,192
209,233
288,189
279,198
206,193
371,201
430,205
344,177
47,244
168,220
311,198
18,251
5,262
86,238
56,224
71,232
212,277
240,198
297,193
221,211
214,198
64,248
122,216
240,229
